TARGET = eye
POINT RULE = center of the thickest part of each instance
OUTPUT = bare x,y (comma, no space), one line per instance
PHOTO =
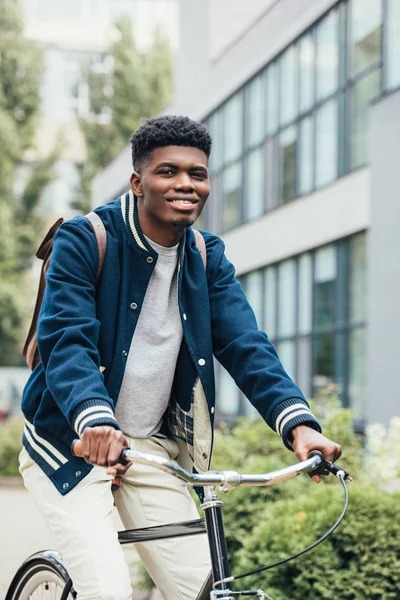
200,175
166,172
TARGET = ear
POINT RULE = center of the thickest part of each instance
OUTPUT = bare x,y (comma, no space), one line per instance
136,184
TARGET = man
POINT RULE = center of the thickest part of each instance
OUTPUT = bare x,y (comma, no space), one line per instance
131,364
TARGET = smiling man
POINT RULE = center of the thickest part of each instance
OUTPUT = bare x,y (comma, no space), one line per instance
130,363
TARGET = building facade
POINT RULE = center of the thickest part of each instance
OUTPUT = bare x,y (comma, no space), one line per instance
301,100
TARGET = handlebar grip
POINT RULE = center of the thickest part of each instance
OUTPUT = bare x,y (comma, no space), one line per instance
326,465
76,449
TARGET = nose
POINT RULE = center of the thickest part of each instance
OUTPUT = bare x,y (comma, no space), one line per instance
183,182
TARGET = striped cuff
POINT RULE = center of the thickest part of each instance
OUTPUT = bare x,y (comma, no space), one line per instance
291,413
92,413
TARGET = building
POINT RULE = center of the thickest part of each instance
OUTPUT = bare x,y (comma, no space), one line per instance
302,102
72,32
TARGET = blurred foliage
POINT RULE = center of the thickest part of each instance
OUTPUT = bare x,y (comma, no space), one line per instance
21,67
359,561
10,444
383,455
132,86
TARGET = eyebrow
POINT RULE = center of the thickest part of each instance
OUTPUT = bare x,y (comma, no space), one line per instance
175,166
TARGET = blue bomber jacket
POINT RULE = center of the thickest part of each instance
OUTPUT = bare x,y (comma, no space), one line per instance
84,334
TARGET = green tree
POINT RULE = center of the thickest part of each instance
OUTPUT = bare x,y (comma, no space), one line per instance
136,86
21,67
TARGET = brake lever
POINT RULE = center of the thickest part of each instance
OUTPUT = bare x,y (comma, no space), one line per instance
327,465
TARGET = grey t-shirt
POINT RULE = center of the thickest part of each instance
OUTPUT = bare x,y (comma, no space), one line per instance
151,362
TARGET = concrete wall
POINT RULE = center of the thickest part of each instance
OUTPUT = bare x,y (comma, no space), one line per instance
383,345
324,216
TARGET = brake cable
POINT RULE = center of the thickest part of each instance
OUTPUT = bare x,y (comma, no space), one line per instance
342,476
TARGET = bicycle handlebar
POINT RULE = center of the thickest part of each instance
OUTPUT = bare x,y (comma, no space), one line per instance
228,480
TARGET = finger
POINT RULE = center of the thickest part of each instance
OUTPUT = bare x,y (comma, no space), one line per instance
94,446
103,451
115,450
117,469
85,439
316,478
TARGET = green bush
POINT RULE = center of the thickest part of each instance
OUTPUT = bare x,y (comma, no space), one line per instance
10,445
359,561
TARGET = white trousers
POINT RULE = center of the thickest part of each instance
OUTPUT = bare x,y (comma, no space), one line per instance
84,527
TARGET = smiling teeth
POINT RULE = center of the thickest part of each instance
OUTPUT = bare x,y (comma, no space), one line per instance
183,201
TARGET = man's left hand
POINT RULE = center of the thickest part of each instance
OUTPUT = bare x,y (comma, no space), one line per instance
306,439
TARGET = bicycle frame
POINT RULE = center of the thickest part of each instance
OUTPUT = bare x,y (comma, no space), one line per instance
216,585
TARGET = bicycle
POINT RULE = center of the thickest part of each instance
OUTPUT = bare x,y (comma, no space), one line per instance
43,575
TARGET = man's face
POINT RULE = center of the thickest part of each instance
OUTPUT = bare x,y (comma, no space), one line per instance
172,187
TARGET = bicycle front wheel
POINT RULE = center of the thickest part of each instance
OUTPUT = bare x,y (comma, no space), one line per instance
41,577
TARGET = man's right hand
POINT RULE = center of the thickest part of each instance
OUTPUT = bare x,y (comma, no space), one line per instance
102,445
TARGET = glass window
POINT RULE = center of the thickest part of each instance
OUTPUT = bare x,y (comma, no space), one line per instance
324,365
254,294
304,365
269,321
358,273
356,388
326,142
327,59
288,85
227,394
254,185
287,354
287,298
364,91
325,286
306,156
307,71
365,33
272,98
305,293
215,128
255,111
288,164
232,192
271,183
233,128
393,43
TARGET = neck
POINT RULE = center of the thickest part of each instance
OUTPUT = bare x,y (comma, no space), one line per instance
160,233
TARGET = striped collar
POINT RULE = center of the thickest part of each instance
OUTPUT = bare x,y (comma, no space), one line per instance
130,215
131,218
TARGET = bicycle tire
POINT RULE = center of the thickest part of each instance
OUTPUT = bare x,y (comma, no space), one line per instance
43,576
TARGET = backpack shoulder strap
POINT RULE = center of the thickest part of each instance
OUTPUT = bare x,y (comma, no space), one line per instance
30,350
101,238
201,246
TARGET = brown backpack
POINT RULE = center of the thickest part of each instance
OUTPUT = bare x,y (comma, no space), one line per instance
30,351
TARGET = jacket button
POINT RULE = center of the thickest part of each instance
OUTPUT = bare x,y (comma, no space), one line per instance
150,259
124,353
133,306
78,473
201,362
184,317
205,455
212,410
65,486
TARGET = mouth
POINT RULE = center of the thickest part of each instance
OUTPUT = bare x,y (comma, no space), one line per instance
182,203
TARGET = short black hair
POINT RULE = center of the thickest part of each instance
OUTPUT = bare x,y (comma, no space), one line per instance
168,130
